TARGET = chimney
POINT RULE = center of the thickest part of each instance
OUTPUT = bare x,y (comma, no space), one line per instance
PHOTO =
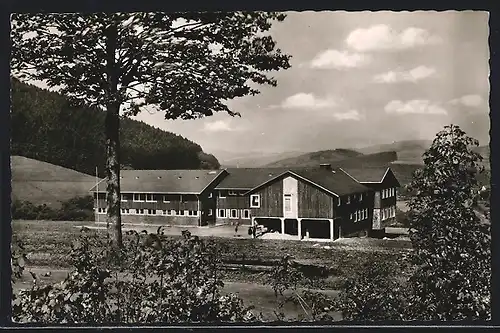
325,166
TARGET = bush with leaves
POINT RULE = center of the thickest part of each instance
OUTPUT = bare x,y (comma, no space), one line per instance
451,247
286,276
150,280
374,293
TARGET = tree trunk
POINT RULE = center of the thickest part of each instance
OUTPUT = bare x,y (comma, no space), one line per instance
112,129
113,217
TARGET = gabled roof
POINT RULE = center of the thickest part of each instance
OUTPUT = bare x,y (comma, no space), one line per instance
334,181
367,174
166,181
247,178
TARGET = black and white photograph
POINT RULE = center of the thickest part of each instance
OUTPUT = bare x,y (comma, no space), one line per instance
221,167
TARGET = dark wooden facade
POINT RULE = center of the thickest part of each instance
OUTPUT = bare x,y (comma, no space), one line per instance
385,197
233,207
157,208
314,204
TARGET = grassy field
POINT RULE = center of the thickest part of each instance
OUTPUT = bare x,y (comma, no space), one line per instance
48,244
45,183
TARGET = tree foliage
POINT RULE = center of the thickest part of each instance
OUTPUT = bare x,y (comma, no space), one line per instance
75,209
186,65
374,293
47,128
149,280
451,248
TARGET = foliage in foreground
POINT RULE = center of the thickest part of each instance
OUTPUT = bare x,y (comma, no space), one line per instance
374,294
150,280
451,247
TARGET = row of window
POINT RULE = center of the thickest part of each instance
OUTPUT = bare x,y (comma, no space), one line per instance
168,212
233,213
388,192
147,197
359,215
354,197
388,213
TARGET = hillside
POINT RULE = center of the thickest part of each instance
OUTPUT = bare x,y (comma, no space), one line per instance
47,128
252,159
315,158
407,150
411,151
45,183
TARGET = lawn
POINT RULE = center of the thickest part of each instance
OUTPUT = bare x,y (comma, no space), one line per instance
247,261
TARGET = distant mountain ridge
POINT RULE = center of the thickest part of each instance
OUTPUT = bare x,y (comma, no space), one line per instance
315,158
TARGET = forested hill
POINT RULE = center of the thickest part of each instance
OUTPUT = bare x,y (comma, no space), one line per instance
45,127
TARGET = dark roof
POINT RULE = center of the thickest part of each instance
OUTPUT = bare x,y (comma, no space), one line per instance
248,178
166,181
334,181
367,174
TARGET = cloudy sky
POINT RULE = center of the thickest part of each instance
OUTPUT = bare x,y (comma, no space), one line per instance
359,78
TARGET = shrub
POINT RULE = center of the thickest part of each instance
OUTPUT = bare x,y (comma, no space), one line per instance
373,294
75,209
451,246
150,280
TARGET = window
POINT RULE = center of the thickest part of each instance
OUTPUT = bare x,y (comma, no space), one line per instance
350,216
171,212
362,214
102,210
210,212
139,211
366,212
339,202
232,193
222,194
210,195
356,216
288,202
348,199
393,211
255,201
180,212
246,214
193,213
123,197
125,211
139,197
234,214
361,197
150,198
221,213
151,211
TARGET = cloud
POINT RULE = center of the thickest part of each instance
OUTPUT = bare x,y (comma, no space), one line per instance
414,75
468,100
416,106
382,37
349,115
218,126
334,59
307,100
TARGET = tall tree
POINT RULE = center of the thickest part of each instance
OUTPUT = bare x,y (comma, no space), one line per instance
186,65
451,247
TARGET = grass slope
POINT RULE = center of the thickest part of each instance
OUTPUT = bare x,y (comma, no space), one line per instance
45,183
